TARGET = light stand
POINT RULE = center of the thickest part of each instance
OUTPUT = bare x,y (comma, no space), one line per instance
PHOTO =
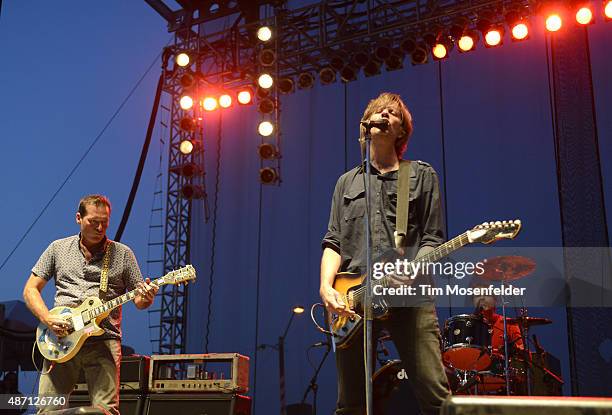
281,359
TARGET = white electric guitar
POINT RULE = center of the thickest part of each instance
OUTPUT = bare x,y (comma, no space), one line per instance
83,321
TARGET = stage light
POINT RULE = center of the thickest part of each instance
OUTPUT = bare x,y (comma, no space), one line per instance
268,175
439,51
554,22
459,27
191,191
285,85
305,80
382,52
371,68
182,59
608,9
187,124
265,81
494,37
264,33
225,101
408,45
210,104
327,76
268,151
265,128
337,62
267,57
261,93
395,61
186,147
298,309
520,31
584,15
245,97
360,58
433,35
186,80
348,74
186,102
466,43
188,170
419,55
266,106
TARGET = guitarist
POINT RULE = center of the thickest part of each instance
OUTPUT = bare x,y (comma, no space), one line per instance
414,329
76,263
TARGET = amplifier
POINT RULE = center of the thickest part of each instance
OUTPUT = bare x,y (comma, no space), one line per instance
129,404
213,372
134,375
526,405
197,404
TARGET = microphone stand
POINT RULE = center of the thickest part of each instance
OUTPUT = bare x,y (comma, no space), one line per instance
367,306
313,386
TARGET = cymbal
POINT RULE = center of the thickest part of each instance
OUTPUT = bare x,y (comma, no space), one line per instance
507,268
529,321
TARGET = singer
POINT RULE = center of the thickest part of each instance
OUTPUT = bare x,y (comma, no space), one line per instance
414,328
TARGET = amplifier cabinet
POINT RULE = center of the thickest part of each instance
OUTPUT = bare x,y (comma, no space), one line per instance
134,376
129,404
197,404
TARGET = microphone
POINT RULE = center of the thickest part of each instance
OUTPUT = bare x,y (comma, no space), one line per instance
382,124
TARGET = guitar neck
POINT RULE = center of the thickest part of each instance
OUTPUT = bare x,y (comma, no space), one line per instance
118,301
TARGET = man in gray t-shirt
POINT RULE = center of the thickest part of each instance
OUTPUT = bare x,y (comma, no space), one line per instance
75,263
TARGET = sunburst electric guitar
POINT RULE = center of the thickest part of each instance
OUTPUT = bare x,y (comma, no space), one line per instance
350,287
84,320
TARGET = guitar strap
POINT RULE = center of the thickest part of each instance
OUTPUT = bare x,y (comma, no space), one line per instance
105,267
403,199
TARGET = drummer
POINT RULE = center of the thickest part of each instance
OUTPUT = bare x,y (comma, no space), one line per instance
485,306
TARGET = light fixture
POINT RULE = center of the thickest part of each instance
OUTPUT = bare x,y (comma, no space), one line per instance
467,42
298,309
267,57
327,76
266,106
264,33
371,68
268,175
268,151
225,101
395,61
584,14
608,9
382,52
419,55
265,81
494,37
348,73
190,191
440,51
519,27
187,124
265,128
186,80
186,102
245,96
210,104
186,147
285,85
554,22
305,80
182,59
359,58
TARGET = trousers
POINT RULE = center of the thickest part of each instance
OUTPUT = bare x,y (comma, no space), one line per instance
100,360
416,336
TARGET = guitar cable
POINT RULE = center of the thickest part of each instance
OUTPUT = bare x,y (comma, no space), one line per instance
314,320
39,371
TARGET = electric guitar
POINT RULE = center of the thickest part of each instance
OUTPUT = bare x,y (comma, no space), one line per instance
350,285
83,321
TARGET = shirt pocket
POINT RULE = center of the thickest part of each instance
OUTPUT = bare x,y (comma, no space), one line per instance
353,205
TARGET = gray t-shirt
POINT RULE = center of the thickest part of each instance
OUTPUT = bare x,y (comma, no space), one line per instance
77,279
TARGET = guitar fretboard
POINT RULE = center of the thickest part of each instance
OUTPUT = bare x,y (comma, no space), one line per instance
122,299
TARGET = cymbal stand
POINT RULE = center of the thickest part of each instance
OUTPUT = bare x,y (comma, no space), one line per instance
506,355
525,337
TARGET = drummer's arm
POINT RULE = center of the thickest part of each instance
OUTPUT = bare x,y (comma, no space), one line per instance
517,339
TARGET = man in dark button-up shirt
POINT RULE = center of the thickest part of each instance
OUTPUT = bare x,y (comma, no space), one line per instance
414,329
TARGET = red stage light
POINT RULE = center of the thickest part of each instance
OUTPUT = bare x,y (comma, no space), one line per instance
186,102
584,15
225,101
186,147
608,9
245,97
554,22
493,37
520,31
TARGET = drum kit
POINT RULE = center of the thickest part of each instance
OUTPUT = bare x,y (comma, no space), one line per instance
473,365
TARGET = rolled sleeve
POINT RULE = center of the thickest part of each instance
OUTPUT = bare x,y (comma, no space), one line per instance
431,211
45,266
332,236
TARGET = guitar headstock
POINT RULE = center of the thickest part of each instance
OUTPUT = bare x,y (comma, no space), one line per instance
180,276
493,231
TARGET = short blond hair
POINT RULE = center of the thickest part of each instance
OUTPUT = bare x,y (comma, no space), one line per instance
389,99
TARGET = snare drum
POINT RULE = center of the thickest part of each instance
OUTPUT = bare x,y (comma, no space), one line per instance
467,342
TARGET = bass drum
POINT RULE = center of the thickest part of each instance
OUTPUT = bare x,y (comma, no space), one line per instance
467,342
